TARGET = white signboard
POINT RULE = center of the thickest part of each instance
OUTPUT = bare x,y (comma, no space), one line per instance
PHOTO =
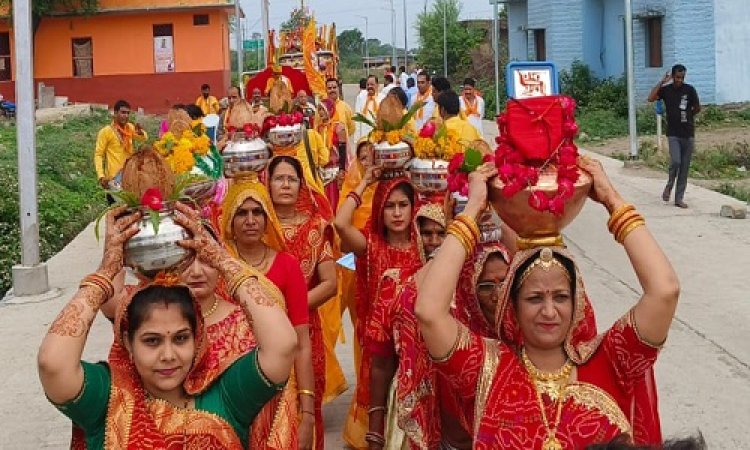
163,54
535,82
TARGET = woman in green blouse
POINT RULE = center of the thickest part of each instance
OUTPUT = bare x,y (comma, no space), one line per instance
136,399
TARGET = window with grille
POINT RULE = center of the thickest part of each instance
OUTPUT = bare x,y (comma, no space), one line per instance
83,57
5,72
200,19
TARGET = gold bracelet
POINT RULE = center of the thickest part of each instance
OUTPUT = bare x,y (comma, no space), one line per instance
239,280
618,212
470,223
306,392
618,215
461,237
624,221
629,229
100,281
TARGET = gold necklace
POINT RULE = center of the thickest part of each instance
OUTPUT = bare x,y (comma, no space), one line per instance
212,309
553,384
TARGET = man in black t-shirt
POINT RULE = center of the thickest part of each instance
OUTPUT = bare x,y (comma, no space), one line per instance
682,104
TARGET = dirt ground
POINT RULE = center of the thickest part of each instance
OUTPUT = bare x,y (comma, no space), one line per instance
705,139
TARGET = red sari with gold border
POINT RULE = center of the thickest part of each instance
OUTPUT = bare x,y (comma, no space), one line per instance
311,243
379,274
605,399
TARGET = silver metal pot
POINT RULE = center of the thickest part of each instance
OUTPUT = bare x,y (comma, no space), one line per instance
391,156
429,175
149,252
242,155
285,137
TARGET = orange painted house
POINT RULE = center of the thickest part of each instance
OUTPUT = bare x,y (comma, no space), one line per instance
152,53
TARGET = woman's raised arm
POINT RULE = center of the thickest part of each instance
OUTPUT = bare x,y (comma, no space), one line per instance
352,240
656,308
260,298
59,357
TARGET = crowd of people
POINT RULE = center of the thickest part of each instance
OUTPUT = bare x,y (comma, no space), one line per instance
460,341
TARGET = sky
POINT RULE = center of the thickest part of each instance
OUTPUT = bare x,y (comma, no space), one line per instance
348,14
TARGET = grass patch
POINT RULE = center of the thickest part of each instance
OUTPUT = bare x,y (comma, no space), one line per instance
69,196
738,192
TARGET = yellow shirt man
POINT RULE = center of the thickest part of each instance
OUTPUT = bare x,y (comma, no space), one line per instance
466,131
344,115
209,105
113,149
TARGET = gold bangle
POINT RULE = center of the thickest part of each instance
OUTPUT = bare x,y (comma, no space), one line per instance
238,281
625,221
100,281
470,223
306,392
618,212
629,229
467,243
622,216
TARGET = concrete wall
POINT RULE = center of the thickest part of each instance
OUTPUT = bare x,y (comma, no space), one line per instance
563,21
518,40
731,19
593,36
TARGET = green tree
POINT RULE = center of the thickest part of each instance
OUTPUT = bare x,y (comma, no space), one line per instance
351,41
460,39
44,8
297,19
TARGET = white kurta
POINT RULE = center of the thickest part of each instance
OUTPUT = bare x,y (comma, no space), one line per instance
474,119
362,129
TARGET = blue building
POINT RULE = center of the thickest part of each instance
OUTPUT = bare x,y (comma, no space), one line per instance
710,37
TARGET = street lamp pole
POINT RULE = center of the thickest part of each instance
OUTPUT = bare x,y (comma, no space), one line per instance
30,277
406,42
630,61
496,51
367,46
394,60
445,39
240,49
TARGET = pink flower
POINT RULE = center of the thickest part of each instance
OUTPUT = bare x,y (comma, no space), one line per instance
428,130
569,106
565,188
512,188
557,206
152,199
568,173
570,129
539,201
506,171
456,162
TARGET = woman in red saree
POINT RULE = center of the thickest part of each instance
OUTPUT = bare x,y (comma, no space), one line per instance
252,233
386,249
138,400
308,236
550,382
426,410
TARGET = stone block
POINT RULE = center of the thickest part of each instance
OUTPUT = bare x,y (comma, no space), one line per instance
733,211
30,280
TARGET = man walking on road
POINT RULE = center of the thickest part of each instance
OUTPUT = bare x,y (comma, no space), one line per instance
423,95
343,112
114,145
682,104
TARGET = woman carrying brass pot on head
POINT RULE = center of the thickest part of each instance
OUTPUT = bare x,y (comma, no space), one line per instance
550,382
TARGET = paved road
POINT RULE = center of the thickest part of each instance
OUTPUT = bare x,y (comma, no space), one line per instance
703,373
